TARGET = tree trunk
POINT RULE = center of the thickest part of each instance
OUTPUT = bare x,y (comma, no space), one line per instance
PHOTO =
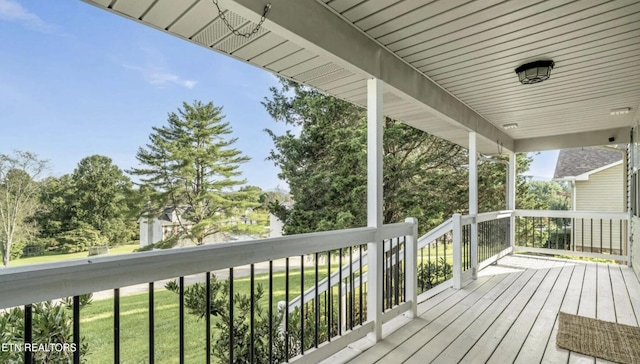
6,254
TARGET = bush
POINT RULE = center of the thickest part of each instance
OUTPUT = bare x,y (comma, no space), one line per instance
52,324
430,274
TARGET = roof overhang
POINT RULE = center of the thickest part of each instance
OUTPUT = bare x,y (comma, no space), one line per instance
585,176
447,66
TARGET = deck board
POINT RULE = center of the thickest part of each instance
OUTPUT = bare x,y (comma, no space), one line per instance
510,314
462,344
540,334
429,350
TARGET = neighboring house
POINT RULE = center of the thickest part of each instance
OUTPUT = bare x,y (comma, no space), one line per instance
276,226
598,181
153,230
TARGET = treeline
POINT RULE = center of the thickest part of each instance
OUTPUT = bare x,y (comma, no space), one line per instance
189,164
426,177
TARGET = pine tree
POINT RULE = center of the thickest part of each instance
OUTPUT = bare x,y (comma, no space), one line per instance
191,166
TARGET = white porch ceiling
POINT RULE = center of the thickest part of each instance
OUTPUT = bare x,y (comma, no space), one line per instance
448,66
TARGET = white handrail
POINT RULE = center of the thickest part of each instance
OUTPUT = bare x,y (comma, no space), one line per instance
573,214
436,232
41,282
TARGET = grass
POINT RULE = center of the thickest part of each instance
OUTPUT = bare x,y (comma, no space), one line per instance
97,321
55,257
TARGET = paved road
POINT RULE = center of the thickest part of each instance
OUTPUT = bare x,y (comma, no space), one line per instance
243,271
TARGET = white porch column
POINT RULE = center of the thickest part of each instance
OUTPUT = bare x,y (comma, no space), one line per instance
511,198
374,202
473,201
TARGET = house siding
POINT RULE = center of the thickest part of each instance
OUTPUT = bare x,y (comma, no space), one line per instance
602,192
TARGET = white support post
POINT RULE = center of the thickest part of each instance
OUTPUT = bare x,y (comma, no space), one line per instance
457,251
473,202
374,203
411,267
511,198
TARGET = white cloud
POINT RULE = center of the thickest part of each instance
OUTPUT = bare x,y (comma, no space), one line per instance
156,70
12,11
160,77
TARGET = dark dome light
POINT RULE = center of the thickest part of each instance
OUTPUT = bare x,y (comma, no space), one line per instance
534,72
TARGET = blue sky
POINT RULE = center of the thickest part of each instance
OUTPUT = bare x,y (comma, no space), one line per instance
76,81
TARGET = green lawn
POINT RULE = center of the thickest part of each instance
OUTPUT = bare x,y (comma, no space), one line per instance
97,321
54,257
97,318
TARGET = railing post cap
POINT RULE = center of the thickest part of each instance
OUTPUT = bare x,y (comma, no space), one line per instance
411,220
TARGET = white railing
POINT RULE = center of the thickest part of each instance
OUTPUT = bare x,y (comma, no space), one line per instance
590,234
22,286
424,241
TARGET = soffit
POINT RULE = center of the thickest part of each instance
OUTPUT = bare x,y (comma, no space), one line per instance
468,48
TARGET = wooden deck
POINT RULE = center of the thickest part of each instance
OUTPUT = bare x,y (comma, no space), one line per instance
509,314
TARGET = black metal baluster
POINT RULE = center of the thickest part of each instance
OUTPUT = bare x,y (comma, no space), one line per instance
397,272
421,281
286,314
151,323
28,333
231,316
271,311
352,288
302,304
404,268
340,291
207,318
591,234
76,329
329,299
252,333
582,228
116,325
611,236
317,301
181,320
620,237
361,287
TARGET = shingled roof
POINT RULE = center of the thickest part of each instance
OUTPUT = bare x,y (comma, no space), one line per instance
576,161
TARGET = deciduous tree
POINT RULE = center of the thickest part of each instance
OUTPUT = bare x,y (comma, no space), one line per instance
19,187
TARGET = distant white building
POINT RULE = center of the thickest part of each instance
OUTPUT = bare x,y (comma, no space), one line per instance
276,226
153,230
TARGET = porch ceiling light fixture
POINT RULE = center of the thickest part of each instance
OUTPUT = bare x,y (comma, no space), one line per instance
620,111
510,126
534,72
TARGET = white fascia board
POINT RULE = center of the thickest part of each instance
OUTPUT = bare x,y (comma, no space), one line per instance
312,26
585,176
575,140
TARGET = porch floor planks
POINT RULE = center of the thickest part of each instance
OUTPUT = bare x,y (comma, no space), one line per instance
541,331
587,306
459,347
512,319
429,350
435,307
622,299
486,345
